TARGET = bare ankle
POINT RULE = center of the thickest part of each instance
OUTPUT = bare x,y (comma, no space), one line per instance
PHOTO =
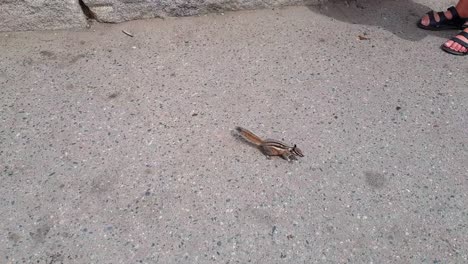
462,10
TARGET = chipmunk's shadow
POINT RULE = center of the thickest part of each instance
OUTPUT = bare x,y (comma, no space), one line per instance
397,16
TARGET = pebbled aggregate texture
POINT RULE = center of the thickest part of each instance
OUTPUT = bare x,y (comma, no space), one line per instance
118,149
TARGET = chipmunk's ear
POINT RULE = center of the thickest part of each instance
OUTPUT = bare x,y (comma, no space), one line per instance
294,147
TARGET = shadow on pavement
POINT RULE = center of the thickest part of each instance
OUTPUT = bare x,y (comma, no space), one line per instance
397,16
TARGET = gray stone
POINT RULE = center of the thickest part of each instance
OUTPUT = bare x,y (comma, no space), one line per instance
124,10
20,15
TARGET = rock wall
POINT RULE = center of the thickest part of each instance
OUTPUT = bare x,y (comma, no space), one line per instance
124,10
16,15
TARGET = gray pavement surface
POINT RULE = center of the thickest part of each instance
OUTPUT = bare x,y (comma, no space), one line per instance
118,149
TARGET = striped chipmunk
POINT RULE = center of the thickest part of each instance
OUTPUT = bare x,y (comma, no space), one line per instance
270,147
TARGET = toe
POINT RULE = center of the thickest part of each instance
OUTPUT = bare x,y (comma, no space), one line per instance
436,17
449,43
448,15
425,20
455,46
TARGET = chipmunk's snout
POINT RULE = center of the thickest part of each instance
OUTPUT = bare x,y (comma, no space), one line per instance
297,151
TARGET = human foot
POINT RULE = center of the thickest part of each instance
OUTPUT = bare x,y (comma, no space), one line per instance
449,19
457,45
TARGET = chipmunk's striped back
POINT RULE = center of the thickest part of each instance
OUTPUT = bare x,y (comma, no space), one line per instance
279,147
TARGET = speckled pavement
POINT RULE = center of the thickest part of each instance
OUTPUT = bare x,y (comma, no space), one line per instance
119,149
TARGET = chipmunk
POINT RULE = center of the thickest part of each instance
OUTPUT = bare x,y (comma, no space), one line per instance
271,147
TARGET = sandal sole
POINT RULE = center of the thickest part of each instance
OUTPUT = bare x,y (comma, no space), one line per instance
453,52
440,28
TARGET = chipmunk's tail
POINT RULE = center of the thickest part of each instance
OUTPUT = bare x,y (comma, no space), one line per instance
249,136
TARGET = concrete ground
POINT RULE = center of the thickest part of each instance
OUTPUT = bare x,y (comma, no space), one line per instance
119,149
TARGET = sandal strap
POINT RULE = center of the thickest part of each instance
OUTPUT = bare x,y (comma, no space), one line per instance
464,33
465,23
459,41
454,12
455,20
442,17
432,20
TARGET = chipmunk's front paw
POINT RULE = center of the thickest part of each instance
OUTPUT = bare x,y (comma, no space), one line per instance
290,158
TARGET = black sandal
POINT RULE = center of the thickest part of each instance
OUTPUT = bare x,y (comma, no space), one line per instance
455,23
459,41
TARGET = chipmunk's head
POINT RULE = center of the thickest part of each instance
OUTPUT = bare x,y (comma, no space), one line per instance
296,151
